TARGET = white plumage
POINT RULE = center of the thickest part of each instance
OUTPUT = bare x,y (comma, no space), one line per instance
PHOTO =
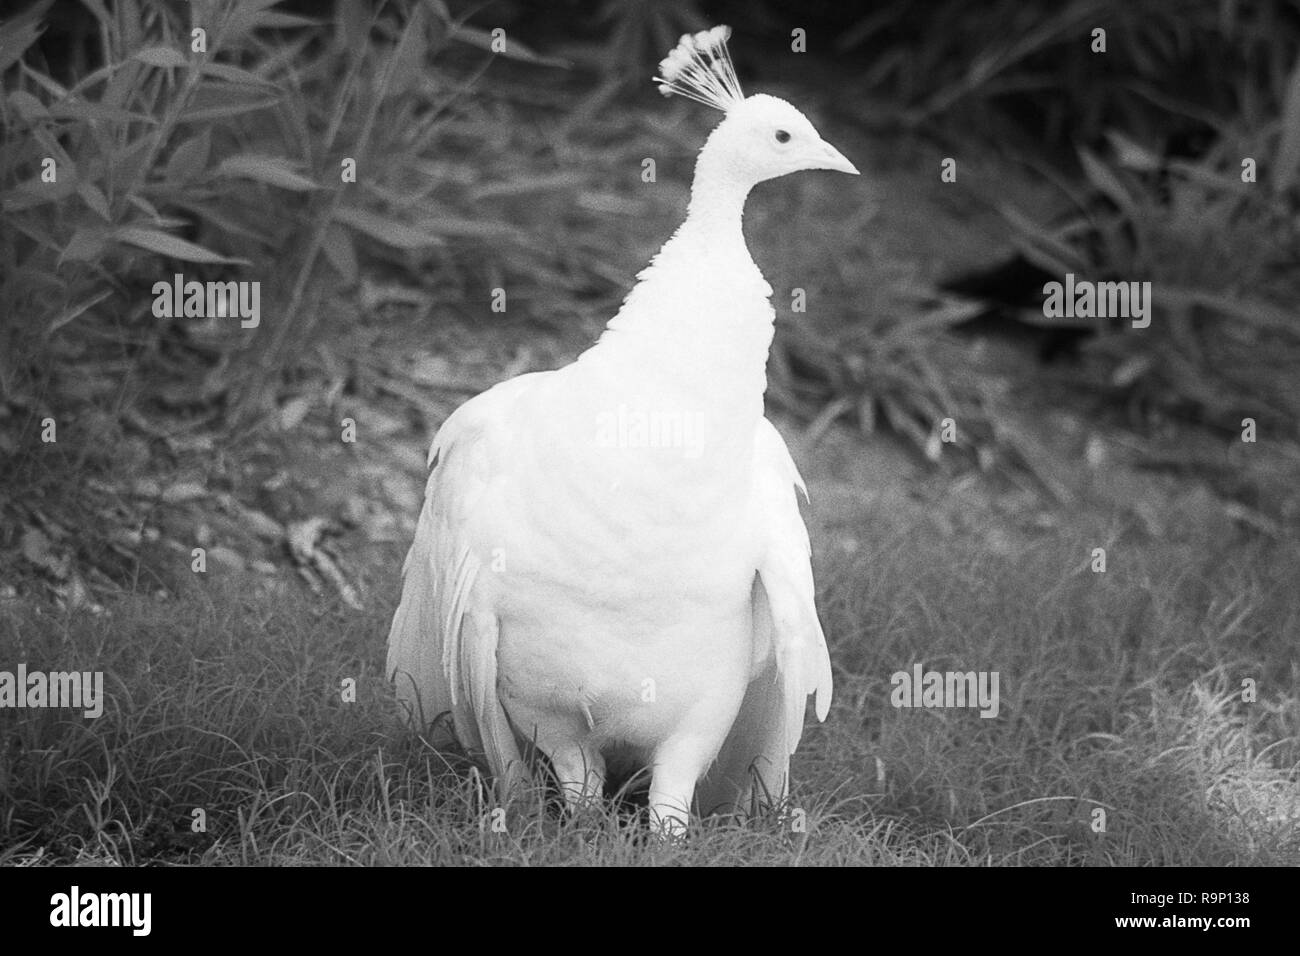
611,559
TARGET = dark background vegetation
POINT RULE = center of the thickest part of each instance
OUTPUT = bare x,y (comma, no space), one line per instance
480,170
521,171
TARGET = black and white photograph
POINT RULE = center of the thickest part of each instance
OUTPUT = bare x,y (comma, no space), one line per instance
742,434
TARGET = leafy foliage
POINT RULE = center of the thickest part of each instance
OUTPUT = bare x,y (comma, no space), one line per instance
1220,253
229,162
168,157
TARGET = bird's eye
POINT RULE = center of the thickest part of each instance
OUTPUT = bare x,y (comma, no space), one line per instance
782,136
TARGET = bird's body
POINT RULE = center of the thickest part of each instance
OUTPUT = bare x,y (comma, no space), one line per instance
611,555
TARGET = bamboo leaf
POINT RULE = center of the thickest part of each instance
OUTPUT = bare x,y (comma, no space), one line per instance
1131,154
1041,246
95,199
148,208
89,111
285,21
1100,175
27,106
169,245
390,233
510,47
190,157
86,245
72,311
164,57
56,91
233,74
213,101
272,170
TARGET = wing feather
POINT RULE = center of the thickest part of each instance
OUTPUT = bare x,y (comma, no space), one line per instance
770,722
442,645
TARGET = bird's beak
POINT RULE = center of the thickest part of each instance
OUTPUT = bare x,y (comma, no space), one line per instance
828,157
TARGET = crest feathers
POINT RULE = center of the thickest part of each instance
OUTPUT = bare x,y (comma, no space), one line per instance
700,68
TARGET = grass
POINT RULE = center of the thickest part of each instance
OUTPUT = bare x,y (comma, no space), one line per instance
1120,691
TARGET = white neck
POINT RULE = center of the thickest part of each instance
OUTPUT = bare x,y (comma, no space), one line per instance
699,319
717,194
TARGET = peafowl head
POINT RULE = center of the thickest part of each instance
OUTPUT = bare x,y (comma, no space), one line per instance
762,137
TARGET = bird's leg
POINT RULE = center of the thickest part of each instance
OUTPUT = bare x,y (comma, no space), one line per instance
579,770
677,767
669,815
